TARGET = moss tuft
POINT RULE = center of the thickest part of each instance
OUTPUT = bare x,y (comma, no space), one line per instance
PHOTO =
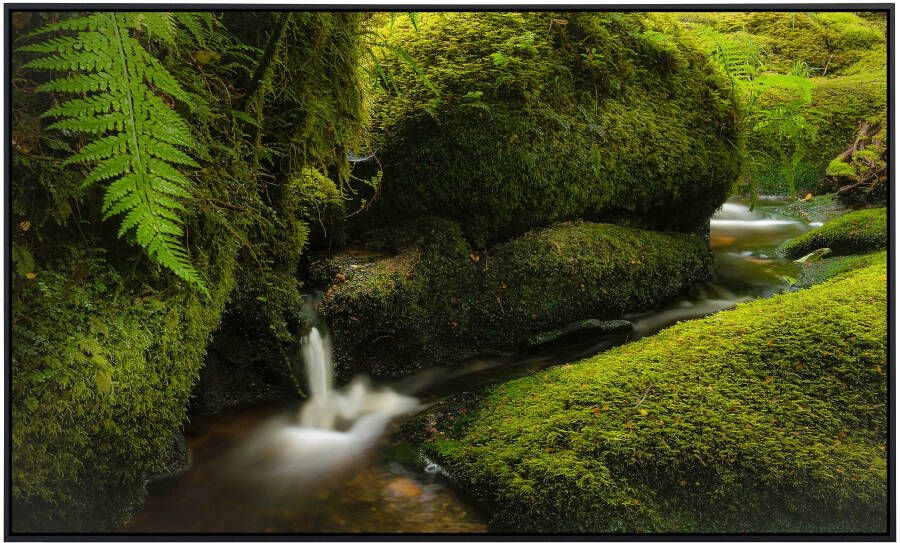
856,232
768,418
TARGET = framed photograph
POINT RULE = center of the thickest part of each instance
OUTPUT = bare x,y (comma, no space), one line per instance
449,271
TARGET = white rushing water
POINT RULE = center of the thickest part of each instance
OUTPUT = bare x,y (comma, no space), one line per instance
333,428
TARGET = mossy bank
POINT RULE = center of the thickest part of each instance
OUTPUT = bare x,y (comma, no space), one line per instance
771,417
433,299
856,232
508,121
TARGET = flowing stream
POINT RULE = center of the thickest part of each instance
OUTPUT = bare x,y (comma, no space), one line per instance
328,464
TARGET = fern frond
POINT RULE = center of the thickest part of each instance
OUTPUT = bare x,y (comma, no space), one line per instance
78,107
198,24
108,169
85,61
78,84
139,140
77,24
92,124
156,24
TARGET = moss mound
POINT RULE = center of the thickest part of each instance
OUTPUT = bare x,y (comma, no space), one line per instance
823,270
437,300
856,232
770,418
509,121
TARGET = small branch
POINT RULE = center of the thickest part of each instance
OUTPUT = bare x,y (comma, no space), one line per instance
644,397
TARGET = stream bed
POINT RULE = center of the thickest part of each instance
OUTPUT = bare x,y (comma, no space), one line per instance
254,470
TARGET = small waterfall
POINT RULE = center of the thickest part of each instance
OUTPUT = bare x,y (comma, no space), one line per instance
335,427
359,401
317,360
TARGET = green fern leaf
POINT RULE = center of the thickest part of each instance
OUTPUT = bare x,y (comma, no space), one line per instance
81,106
138,139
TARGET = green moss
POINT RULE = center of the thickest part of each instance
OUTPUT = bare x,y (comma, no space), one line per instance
438,300
103,368
857,232
839,168
768,418
823,270
320,205
514,120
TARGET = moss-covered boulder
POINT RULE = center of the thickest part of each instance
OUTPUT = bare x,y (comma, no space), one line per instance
856,232
507,121
435,300
771,417
103,369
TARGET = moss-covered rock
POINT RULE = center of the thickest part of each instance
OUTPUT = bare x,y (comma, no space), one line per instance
771,417
856,232
825,269
103,369
437,300
508,121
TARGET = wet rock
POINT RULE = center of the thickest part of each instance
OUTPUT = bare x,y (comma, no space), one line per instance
243,367
177,459
431,303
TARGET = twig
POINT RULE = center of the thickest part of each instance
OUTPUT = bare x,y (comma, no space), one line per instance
644,397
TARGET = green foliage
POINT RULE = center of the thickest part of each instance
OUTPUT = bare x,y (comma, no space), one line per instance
816,75
538,117
768,418
137,139
856,232
437,300
839,168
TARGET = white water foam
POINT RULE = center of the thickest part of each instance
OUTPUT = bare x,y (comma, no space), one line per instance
335,426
